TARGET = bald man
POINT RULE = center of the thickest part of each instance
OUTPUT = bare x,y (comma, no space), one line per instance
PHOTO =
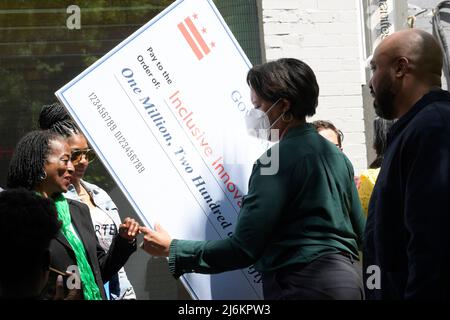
407,237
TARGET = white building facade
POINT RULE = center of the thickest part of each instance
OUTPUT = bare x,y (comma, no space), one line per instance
335,38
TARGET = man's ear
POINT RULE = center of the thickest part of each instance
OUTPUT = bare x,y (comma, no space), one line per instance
402,66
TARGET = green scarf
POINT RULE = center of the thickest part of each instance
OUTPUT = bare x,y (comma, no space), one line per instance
90,287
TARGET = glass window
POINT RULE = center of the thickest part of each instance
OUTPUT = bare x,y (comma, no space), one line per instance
45,43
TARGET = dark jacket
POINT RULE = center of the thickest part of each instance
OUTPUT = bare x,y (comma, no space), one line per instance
306,209
407,234
104,265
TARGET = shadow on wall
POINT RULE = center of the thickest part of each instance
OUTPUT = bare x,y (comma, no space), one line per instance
149,276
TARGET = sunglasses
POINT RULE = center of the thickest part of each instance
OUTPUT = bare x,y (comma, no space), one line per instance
77,155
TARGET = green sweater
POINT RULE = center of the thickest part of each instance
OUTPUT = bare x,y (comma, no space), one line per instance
309,208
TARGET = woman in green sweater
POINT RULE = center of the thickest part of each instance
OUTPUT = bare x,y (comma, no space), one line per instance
301,227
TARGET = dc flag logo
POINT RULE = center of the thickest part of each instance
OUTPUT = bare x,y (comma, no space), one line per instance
194,37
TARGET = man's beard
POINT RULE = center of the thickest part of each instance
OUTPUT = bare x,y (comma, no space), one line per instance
384,101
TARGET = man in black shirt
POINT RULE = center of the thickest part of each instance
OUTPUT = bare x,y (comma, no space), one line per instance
407,244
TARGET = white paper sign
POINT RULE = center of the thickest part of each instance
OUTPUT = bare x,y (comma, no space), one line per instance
164,110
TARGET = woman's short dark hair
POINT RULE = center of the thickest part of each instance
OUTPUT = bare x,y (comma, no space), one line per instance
26,168
286,78
54,117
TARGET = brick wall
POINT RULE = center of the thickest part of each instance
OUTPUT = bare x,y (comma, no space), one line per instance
326,35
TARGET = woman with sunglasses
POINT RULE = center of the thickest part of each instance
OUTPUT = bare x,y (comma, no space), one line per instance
104,213
41,162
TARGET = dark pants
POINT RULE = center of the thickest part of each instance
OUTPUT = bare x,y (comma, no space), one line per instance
330,277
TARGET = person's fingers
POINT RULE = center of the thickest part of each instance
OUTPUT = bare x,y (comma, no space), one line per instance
124,223
149,235
59,288
134,228
153,237
130,227
130,224
144,230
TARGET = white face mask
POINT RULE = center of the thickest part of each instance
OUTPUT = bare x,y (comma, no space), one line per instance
258,124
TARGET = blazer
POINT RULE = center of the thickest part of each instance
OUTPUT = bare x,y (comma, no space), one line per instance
104,265
119,285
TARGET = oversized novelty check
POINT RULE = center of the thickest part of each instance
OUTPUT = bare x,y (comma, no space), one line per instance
164,110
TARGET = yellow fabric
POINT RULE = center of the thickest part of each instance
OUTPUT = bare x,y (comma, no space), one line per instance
367,182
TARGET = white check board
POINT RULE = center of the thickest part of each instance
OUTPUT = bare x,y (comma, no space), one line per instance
164,110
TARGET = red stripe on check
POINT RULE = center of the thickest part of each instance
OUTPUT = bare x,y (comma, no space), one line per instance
190,41
197,35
